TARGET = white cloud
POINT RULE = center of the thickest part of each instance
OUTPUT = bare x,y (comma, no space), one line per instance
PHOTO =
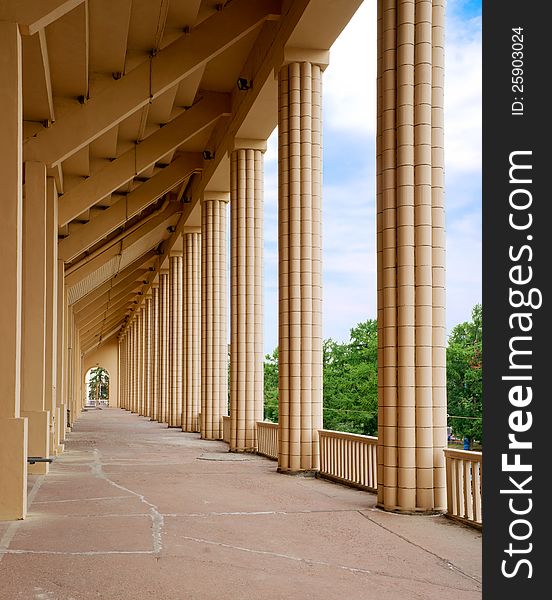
349,239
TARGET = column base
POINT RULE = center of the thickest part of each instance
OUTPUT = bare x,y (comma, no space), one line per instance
411,511
13,469
38,439
306,473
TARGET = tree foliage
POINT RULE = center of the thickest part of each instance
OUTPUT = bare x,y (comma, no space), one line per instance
98,384
351,380
271,386
464,377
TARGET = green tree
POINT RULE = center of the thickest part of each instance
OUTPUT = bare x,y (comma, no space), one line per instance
271,386
464,377
98,384
351,381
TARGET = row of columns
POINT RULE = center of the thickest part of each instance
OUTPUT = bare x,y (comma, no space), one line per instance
40,387
174,353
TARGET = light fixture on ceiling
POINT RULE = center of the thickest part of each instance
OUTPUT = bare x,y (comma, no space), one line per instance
244,84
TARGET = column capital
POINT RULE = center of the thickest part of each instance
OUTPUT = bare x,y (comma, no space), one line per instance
191,229
215,195
164,271
293,54
248,144
175,253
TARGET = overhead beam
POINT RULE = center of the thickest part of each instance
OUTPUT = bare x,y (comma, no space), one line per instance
108,287
114,318
275,40
95,336
34,15
126,272
87,268
128,206
142,156
100,312
104,339
121,98
47,75
162,255
108,298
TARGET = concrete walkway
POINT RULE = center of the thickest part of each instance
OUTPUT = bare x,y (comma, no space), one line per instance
135,510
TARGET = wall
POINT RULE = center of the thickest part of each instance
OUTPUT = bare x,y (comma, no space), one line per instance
107,357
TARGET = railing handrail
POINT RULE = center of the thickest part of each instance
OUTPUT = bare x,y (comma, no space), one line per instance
267,424
464,454
349,436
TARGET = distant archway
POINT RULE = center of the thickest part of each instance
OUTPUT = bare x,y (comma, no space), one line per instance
97,386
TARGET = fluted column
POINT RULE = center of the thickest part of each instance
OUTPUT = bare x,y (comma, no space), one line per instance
132,406
246,348
137,373
191,328
410,247
147,356
140,369
154,352
175,341
163,392
214,340
300,259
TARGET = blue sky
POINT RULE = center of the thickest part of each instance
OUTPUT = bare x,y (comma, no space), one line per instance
349,180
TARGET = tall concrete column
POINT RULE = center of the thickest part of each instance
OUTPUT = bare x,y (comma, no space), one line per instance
191,329
411,255
141,361
33,347
136,394
246,348
214,338
60,355
13,428
147,357
300,259
163,392
154,352
50,387
68,339
175,341
132,382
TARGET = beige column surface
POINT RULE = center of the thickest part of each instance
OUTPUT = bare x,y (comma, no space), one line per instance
411,254
175,341
191,330
132,392
154,359
163,392
33,331
147,357
300,264
60,355
50,386
141,361
214,338
13,428
246,347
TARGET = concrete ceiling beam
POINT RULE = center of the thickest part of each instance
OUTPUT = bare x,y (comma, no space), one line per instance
121,98
34,15
142,156
129,206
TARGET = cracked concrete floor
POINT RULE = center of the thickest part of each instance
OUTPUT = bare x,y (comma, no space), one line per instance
129,511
